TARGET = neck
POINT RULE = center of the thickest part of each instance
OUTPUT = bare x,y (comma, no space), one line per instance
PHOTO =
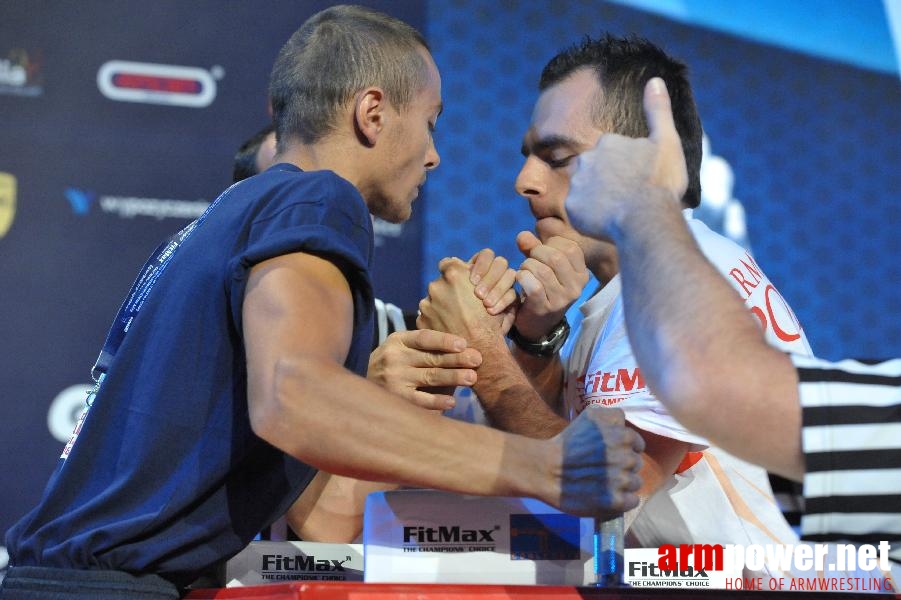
331,153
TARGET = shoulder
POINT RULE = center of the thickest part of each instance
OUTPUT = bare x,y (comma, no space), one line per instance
716,248
730,259
284,186
316,185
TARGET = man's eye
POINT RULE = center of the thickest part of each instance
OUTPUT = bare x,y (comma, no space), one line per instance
559,163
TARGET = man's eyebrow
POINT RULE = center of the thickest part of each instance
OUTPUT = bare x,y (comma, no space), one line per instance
548,143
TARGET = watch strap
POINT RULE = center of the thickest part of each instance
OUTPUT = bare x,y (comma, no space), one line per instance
546,346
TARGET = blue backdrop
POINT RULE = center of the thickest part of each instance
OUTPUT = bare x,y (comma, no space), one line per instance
813,146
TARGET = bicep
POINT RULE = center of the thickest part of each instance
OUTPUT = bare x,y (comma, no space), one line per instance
295,305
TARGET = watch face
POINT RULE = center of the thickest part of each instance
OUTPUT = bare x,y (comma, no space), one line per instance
558,337
549,345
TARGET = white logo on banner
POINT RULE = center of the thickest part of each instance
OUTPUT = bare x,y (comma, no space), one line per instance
65,410
722,212
20,74
12,74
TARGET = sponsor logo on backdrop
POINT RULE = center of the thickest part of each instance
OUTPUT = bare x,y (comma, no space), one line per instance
719,209
20,73
83,202
7,202
149,83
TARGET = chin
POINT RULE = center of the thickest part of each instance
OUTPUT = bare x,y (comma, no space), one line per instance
391,211
394,216
398,219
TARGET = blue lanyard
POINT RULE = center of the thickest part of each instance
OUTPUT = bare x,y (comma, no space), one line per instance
153,268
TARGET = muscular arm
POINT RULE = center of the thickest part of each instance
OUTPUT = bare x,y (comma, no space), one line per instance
700,350
297,323
514,404
506,394
509,397
552,277
545,374
331,508
297,328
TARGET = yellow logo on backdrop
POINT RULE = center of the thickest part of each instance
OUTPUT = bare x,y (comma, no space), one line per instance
7,202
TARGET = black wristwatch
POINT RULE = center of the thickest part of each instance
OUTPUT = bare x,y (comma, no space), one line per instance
549,345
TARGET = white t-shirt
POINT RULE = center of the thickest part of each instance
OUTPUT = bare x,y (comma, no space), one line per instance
599,365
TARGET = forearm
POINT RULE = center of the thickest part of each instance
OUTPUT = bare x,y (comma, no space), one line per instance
545,374
298,316
364,432
700,350
508,397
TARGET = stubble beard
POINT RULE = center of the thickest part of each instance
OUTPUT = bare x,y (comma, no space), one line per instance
386,210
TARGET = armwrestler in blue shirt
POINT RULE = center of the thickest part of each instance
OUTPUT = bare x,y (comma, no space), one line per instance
233,370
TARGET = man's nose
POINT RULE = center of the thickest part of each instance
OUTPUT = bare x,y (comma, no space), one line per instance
530,181
432,158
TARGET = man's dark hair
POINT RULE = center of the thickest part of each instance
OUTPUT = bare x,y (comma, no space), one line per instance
623,66
336,53
245,163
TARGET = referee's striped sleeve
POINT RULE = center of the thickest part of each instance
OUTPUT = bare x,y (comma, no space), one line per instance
851,439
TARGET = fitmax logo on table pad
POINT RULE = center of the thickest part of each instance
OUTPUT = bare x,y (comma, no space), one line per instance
448,538
532,537
821,567
299,567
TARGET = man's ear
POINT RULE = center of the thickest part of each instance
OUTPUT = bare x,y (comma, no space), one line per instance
369,114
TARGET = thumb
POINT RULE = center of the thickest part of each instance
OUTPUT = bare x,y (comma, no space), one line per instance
526,241
671,168
659,113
